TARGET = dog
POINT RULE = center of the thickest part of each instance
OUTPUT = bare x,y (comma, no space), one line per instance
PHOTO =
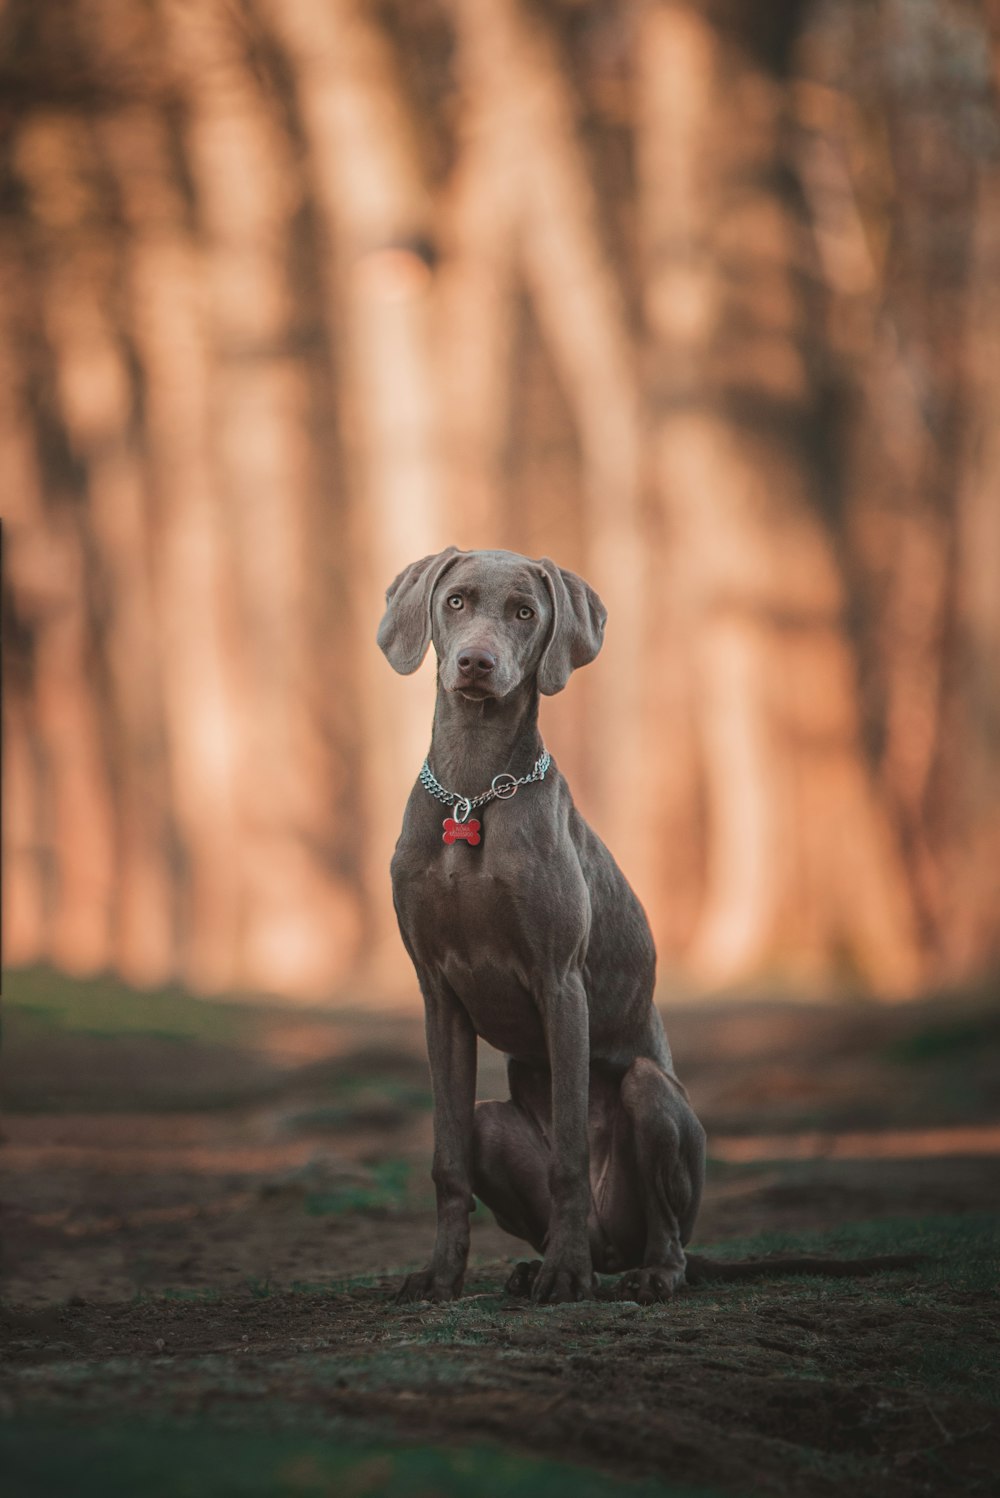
523,930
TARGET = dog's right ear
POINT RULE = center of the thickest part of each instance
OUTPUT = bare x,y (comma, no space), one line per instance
405,631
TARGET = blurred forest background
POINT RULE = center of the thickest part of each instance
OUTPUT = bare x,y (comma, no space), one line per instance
699,297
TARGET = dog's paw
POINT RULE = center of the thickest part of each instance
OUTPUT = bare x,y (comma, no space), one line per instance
655,1282
428,1284
562,1280
522,1278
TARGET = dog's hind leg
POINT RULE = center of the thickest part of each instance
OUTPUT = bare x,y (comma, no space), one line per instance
511,1170
512,1164
669,1152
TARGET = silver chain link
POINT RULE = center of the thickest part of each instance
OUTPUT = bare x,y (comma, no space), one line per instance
502,792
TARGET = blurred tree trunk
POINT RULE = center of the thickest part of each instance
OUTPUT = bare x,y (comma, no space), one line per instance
27,599
905,470
95,398
59,714
191,583
898,177
297,927
973,862
801,867
477,304
371,193
509,62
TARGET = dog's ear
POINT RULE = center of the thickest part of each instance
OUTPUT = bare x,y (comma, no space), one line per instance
577,633
405,631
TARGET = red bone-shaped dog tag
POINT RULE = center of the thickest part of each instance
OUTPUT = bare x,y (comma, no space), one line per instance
454,831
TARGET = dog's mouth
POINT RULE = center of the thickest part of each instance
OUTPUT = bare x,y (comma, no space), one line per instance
480,689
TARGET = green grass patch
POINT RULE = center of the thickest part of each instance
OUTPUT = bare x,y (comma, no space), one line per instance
924,1349
948,1040
386,1191
199,1461
97,1044
201,1294
107,1006
362,1102
950,1364
965,1250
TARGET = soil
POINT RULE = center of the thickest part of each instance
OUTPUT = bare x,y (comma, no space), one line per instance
207,1209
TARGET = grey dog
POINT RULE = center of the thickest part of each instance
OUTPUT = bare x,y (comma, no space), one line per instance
524,931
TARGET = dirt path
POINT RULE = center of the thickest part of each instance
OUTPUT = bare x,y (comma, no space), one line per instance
198,1294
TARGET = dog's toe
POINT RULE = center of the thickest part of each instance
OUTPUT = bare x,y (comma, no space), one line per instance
651,1284
522,1278
557,1283
425,1284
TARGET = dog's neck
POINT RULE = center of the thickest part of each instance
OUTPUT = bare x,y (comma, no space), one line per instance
471,742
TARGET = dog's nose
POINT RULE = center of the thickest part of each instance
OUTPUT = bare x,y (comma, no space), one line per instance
473,663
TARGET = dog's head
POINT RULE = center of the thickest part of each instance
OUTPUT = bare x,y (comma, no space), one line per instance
496,619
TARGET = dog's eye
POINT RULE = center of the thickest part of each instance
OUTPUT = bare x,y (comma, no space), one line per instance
456,601
525,613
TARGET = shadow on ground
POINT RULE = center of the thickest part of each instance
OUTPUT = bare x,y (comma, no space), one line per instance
207,1207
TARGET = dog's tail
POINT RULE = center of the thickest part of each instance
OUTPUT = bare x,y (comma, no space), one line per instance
701,1271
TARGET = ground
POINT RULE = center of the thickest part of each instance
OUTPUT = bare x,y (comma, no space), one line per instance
209,1205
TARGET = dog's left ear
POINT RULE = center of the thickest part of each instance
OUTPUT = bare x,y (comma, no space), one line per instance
405,631
577,634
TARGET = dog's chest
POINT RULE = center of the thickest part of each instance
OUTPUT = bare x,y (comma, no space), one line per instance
465,921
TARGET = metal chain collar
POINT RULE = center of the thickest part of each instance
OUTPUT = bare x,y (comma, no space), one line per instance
502,787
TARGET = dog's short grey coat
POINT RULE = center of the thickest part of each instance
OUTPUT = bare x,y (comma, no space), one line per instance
535,941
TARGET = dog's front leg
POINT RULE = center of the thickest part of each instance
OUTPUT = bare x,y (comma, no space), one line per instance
451,1049
566,1271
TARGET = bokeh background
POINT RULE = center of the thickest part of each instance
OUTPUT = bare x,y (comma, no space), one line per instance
701,299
